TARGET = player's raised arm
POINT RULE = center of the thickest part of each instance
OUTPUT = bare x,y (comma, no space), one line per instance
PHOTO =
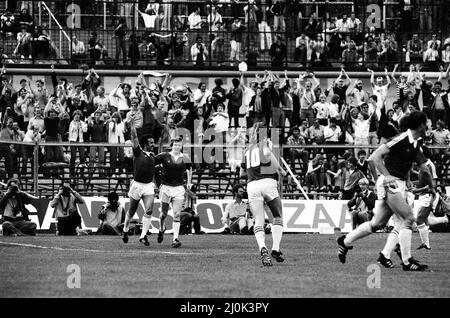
133,133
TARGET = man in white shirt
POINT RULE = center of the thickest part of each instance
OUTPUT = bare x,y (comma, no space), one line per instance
380,89
76,130
78,50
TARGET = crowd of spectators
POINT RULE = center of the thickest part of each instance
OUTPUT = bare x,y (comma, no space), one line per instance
344,113
227,32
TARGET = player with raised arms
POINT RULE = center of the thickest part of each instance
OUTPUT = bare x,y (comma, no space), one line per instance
262,168
174,165
142,187
394,161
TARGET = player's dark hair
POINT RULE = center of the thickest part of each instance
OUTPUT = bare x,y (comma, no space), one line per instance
362,152
415,119
113,196
143,141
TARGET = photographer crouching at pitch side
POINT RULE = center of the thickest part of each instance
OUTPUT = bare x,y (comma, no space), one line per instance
66,211
15,215
362,205
112,216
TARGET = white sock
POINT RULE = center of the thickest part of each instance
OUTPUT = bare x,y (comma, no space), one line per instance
361,231
260,236
146,223
277,233
126,223
404,238
424,234
176,230
391,242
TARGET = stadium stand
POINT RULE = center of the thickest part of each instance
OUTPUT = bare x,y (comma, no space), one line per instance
314,36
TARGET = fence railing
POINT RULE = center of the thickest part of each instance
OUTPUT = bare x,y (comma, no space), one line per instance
43,179
152,41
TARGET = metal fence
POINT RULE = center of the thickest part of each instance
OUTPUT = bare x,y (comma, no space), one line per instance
43,179
159,33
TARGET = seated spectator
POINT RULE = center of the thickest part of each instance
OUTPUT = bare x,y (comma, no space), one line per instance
66,210
15,215
316,176
297,153
414,50
188,216
316,133
25,19
362,204
7,24
350,55
78,51
431,56
318,54
43,46
111,216
237,216
24,40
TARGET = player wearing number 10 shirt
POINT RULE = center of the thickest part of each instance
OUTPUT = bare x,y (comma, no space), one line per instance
262,170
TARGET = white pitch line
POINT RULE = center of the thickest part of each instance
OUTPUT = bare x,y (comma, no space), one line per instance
93,251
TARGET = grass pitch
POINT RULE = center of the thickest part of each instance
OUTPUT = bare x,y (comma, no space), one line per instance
223,266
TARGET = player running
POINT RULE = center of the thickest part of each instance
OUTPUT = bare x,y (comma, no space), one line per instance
394,160
262,170
142,187
174,165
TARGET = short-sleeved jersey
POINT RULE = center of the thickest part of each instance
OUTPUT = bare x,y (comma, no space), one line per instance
258,164
143,166
173,169
404,151
425,179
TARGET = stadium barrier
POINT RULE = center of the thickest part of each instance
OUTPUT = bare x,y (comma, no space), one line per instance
314,216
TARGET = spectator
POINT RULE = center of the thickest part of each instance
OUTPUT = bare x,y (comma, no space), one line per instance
307,97
379,88
119,34
218,45
354,24
316,176
93,53
316,133
351,179
361,128
235,100
96,133
357,94
318,55
7,23
65,204
15,215
441,138
362,204
133,50
363,164
201,95
37,120
350,55
120,97
341,86
111,216
214,20
237,216
301,49
237,30
25,19
24,40
9,151
33,135
322,110
414,50
251,22
277,9
199,52
278,52
77,129
195,22
431,57
51,121
78,51
116,129
440,104
297,153
188,216
265,33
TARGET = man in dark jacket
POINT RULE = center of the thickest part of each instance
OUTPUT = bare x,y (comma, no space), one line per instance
362,205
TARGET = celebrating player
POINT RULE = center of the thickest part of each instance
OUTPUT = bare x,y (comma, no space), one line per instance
142,187
262,169
174,164
394,160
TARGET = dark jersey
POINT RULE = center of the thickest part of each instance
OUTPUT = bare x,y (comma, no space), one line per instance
404,151
144,166
257,163
172,170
